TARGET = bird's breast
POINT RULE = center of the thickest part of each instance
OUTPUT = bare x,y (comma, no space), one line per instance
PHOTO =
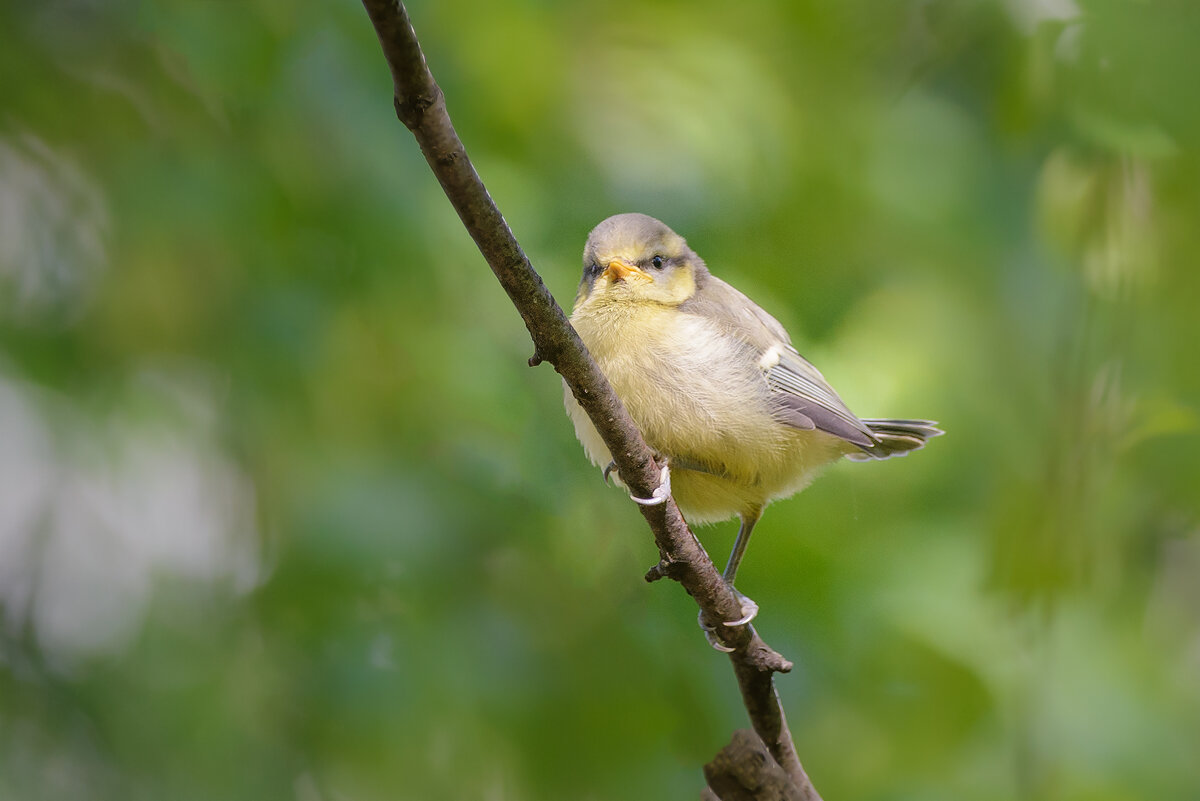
696,393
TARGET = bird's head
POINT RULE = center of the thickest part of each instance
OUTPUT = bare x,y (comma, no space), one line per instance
632,258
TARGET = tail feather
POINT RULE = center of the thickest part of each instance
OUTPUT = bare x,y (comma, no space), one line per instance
896,438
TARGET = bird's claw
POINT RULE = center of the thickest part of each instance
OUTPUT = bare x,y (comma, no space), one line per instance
661,492
710,634
608,470
749,611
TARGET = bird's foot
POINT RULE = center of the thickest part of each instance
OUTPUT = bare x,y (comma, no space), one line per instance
710,634
661,492
749,610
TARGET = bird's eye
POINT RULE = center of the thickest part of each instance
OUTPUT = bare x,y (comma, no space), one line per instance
657,261
593,269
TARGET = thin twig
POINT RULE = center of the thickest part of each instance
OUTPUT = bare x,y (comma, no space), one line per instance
421,106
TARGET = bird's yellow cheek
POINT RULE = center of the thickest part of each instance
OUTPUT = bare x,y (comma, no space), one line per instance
683,285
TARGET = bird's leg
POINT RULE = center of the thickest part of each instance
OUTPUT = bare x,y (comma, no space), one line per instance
749,607
748,519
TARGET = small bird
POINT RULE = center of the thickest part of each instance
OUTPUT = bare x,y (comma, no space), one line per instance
712,382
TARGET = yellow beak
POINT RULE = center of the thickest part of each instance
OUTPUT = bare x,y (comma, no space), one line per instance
621,270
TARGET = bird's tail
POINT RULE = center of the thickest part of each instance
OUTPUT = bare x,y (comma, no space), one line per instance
896,438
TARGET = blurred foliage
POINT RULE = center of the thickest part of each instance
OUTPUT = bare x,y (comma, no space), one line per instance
284,515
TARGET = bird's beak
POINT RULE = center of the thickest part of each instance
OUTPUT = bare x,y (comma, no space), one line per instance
621,270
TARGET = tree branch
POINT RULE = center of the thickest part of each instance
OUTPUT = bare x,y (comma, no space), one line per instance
421,106
744,771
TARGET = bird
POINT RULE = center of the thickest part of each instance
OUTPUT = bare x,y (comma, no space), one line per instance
713,382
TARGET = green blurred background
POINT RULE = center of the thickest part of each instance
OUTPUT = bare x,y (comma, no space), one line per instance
283,513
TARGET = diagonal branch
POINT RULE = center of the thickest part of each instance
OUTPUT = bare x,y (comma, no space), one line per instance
421,106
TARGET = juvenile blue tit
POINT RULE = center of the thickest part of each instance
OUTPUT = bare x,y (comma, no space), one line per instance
712,380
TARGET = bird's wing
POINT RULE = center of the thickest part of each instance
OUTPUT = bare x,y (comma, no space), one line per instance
804,398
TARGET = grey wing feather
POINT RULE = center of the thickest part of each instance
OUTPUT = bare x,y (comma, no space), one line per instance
803,393
803,389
